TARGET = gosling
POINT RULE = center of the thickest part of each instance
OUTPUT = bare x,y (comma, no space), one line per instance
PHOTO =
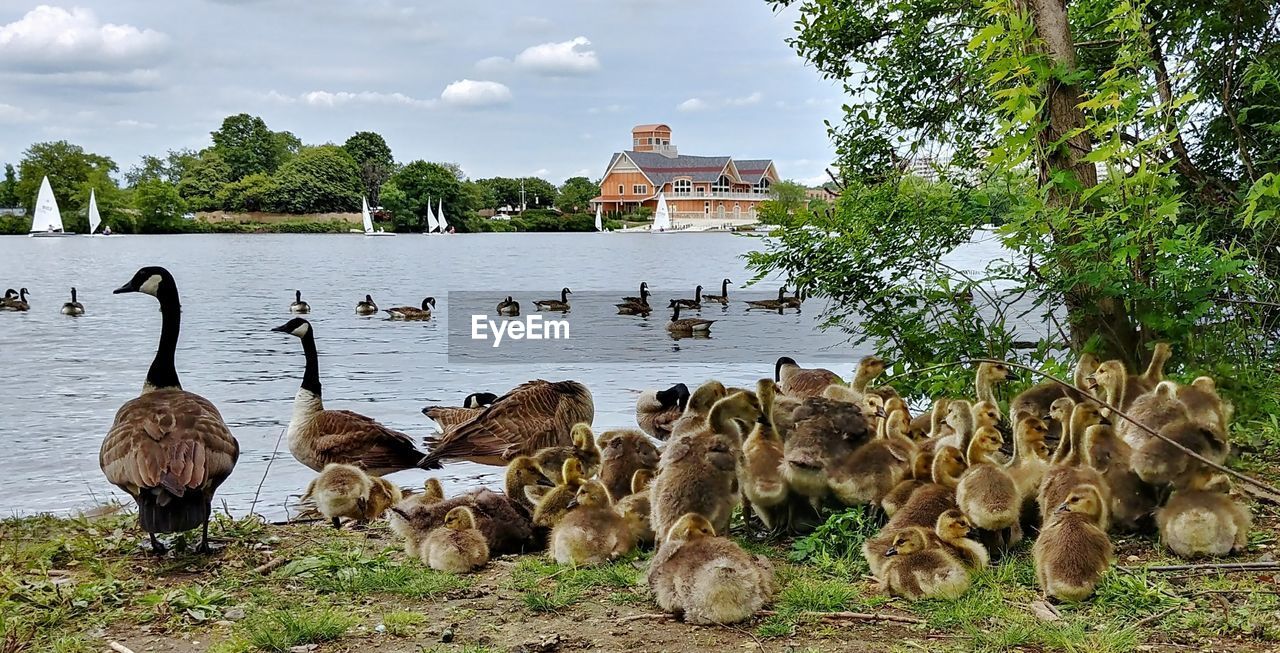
340,491
916,568
592,532
708,579
458,546
1073,551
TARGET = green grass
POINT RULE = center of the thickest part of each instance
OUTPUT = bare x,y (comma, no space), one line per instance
351,571
281,630
402,623
550,587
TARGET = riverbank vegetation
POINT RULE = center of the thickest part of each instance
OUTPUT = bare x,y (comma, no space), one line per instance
1125,151
250,168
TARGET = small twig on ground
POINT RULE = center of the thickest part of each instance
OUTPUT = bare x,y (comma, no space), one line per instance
270,565
852,616
656,616
1264,566
1240,591
119,648
1155,617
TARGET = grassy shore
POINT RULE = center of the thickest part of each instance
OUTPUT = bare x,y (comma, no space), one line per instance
74,585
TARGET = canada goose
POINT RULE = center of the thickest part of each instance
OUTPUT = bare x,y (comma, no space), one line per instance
763,483
698,407
644,295
73,307
299,306
382,495
874,468
448,417
412,313
689,325
509,307
1072,467
457,546
535,415
916,568
986,493
698,471
554,305
658,410
1059,418
770,304
921,473
1132,499
15,301
1037,399
399,519
551,459
432,492
988,375
796,300
1073,550
926,503
623,453
552,504
932,424
637,507
1030,457
707,579
1201,519
799,382
318,437
1154,410
693,304
723,297
366,307
504,524
960,424
1205,406
1157,461
523,472
340,491
953,530
825,432
1117,386
592,533
1155,368
168,448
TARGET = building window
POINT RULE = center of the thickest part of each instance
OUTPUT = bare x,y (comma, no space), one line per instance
722,185
620,189
683,187
706,208
639,189
762,186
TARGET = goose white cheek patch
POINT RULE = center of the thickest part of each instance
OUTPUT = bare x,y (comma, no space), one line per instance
301,330
151,286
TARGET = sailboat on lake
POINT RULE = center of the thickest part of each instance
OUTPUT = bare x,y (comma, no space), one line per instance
432,225
599,218
47,222
443,224
368,221
95,218
661,217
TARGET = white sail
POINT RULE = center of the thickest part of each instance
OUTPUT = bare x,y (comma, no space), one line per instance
599,217
444,224
364,213
661,217
94,218
47,218
432,225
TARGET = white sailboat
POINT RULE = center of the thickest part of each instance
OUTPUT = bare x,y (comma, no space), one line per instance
444,224
432,225
661,217
368,221
95,219
47,222
599,217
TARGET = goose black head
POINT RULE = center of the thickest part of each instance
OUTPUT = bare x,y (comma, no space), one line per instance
297,296
368,299
152,280
677,395
10,293
429,300
295,327
479,399
777,367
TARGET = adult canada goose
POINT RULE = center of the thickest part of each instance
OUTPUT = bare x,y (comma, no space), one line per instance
723,297
318,437
299,306
411,313
695,303
168,448
509,307
634,308
366,307
800,382
688,325
73,307
658,410
448,417
15,301
535,415
644,295
555,305
795,301
770,304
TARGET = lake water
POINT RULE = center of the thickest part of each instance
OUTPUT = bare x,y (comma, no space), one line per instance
65,377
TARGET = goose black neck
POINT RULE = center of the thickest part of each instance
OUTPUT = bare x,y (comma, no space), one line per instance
162,373
724,288
73,295
311,376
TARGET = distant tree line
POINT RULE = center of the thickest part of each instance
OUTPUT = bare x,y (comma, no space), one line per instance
248,167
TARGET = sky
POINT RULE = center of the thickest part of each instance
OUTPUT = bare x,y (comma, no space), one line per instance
500,87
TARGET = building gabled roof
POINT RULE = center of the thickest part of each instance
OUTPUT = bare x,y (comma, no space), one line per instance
662,169
751,170
650,128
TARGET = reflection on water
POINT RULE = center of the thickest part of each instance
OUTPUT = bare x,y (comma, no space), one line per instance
65,377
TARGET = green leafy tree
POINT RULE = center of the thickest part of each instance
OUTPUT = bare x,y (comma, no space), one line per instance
318,180
576,194
286,146
203,180
170,168
373,157
413,186
538,193
247,146
71,172
160,206
9,188
257,192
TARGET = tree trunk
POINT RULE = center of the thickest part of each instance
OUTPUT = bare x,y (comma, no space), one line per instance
1088,315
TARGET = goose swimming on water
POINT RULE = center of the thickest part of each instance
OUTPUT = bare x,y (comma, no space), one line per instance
318,437
15,300
412,313
509,307
366,307
554,305
168,448
299,306
73,307
723,297
770,304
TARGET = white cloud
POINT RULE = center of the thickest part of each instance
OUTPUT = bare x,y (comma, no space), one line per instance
135,124
493,64
332,99
11,115
473,93
55,39
693,104
541,172
564,58
754,98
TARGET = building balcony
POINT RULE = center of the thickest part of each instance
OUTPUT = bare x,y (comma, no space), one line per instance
718,195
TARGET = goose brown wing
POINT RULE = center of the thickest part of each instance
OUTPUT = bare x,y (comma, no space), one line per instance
353,438
170,439
534,415
449,417
803,384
